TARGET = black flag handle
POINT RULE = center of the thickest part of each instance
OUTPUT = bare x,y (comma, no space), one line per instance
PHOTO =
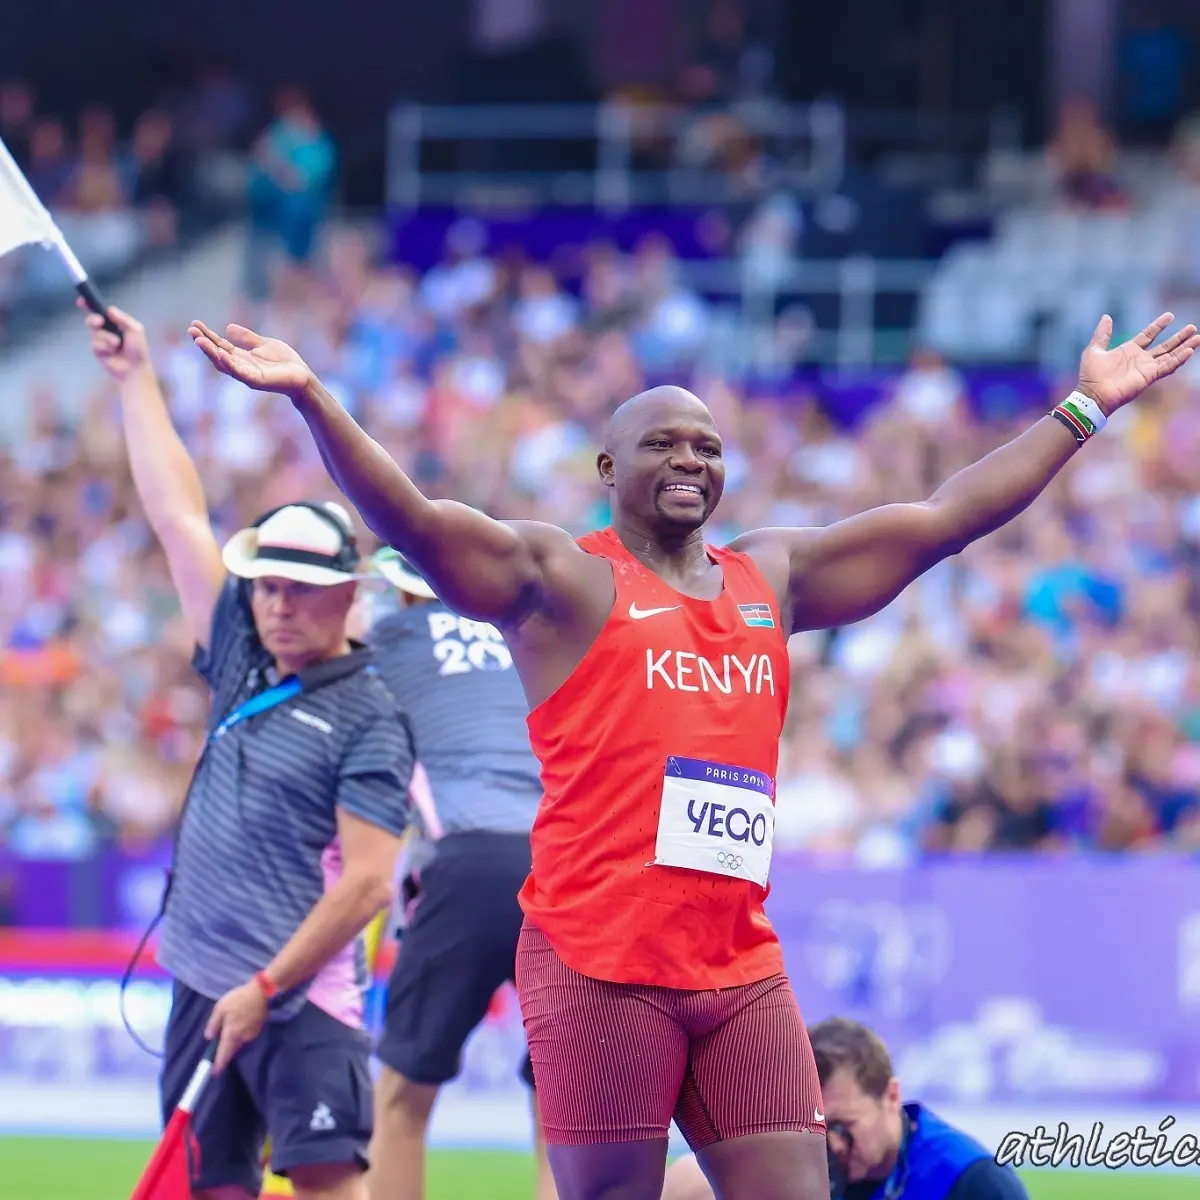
92,298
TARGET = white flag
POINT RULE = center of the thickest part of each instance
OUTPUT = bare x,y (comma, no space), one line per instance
23,218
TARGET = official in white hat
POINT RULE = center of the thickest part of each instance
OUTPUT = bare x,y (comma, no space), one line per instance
303,564
287,841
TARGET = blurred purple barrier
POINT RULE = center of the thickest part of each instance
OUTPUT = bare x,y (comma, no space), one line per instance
1002,980
1008,980
110,890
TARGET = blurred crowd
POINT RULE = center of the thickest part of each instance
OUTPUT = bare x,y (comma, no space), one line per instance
1040,691
121,192
202,152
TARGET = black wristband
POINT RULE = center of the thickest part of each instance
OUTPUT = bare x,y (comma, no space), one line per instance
1065,422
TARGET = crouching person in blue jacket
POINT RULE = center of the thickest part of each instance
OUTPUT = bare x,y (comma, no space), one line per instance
879,1148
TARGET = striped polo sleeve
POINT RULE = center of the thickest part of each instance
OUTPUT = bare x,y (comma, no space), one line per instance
233,649
376,771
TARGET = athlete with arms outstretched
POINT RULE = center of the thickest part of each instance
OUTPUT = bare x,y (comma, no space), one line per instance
656,670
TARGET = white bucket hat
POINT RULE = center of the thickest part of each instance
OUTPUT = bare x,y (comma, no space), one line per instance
400,573
310,543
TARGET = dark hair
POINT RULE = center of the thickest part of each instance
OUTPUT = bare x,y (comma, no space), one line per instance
839,1042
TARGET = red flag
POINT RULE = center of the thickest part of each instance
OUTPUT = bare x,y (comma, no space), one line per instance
176,1158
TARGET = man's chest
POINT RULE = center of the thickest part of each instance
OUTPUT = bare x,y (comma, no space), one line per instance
279,765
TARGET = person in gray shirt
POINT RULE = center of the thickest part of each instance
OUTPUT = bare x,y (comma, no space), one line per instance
289,836
474,799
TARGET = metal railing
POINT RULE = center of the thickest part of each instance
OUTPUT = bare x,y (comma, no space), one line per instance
744,335
615,156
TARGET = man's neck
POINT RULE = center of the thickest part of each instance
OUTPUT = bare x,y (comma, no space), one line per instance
678,556
293,665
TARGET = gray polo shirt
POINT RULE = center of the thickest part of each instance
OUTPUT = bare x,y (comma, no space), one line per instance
257,846
455,678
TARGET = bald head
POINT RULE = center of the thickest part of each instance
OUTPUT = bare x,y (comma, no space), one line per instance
657,406
662,458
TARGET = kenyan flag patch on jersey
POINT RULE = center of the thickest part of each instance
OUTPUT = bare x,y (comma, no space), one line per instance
757,614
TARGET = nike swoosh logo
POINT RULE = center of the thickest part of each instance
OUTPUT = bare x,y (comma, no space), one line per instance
640,614
819,1115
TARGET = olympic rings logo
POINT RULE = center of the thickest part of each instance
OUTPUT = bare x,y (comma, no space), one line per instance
732,862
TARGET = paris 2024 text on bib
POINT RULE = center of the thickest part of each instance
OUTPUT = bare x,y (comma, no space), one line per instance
717,818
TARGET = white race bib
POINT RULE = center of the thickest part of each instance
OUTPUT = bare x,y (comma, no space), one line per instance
716,818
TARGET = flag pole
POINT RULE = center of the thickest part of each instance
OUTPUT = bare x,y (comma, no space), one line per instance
168,1174
55,239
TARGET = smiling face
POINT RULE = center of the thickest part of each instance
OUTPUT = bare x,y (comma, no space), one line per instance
663,461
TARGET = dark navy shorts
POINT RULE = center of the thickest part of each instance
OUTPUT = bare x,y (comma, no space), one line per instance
458,948
306,1082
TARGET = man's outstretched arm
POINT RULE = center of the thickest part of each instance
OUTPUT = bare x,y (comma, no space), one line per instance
855,567
164,476
486,569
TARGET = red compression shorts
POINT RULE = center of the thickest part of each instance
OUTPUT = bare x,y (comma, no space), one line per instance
615,1062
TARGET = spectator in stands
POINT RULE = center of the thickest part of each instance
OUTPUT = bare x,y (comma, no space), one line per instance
930,391
728,67
51,169
215,112
465,279
544,313
671,321
154,175
97,185
1153,63
1082,155
16,118
291,185
1182,207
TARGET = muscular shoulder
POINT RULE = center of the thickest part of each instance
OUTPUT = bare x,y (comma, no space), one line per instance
775,546
569,574
544,541
779,554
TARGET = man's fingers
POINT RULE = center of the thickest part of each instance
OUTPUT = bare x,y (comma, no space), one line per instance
1174,341
95,322
199,328
218,1027
227,1047
245,338
121,319
1168,363
215,1021
1152,330
215,355
1103,333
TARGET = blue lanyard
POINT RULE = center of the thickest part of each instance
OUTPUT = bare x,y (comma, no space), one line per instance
258,704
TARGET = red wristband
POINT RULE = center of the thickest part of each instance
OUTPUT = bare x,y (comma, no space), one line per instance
264,982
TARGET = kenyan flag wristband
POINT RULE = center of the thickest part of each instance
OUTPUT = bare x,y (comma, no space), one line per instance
1081,415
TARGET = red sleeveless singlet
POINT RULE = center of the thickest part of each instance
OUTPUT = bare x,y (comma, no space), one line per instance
658,753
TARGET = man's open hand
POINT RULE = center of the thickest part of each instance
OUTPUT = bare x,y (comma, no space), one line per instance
265,364
1113,377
